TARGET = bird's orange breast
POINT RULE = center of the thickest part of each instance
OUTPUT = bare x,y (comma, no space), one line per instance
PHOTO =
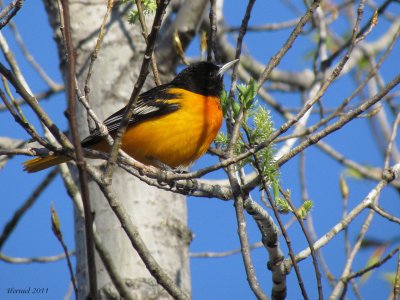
178,138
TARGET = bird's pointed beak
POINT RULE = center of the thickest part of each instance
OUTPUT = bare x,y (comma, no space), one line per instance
226,66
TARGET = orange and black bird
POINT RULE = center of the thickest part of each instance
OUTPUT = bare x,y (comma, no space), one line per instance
172,124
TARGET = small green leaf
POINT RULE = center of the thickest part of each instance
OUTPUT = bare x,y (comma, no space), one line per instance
236,109
247,94
305,209
149,7
221,140
224,103
282,205
133,16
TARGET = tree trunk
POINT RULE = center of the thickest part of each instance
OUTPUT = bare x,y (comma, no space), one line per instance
160,215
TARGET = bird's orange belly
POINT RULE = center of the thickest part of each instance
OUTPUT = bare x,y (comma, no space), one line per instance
176,139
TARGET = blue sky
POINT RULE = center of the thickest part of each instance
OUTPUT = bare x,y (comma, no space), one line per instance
212,221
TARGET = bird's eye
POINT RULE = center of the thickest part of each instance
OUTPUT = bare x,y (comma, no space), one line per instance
211,74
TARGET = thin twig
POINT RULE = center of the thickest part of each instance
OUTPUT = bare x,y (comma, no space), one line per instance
135,93
267,27
6,16
5,10
373,266
391,142
357,90
90,112
275,60
9,56
342,282
309,242
53,86
153,61
33,103
239,43
343,223
29,260
224,253
24,124
310,223
19,213
56,228
385,214
380,10
80,160
95,53
11,152
212,36
363,171
39,96
341,122
284,232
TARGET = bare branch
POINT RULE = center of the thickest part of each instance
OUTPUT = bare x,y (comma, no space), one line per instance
309,242
19,213
224,253
52,85
385,214
29,260
342,121
56,227
344,222
138,86
275,60
58,134
267,27
6,15
153,61
80,160
391,142
373,266
95,52
342,282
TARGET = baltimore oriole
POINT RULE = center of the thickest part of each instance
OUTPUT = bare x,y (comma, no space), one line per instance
172,124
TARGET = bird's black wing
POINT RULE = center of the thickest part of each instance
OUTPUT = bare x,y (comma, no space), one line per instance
150,104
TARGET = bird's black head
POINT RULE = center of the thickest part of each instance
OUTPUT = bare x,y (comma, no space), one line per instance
202,78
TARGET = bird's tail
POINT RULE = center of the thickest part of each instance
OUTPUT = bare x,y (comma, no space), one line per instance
41,163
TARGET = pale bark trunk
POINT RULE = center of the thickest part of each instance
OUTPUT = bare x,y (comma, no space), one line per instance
160,215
